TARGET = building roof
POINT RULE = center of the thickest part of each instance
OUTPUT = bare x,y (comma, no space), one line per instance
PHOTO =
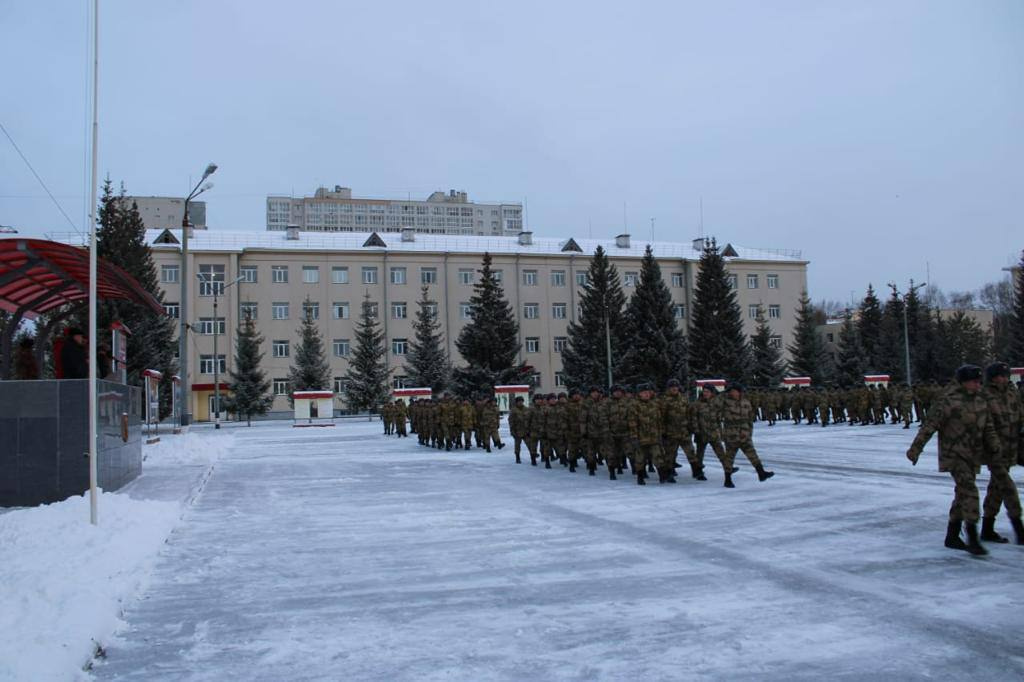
238,241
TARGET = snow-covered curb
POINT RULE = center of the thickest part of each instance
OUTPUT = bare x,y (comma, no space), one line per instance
64,583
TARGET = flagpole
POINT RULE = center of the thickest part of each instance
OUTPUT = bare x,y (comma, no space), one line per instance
92,342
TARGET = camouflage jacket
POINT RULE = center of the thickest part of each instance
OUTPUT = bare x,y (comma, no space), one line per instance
449,414
645,422
467,416
400,412
618,417
708,419
1007,409
573,410
966,431
489,416
518,421
594,419
737,419
677,416
557,428
535,422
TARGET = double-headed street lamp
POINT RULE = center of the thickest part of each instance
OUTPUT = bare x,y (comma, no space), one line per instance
216,332
186,385
906,331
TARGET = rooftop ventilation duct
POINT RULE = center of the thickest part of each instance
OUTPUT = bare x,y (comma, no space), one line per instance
292,232
408,234
525,238
622,241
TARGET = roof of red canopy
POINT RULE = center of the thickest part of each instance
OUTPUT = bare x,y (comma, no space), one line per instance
37,275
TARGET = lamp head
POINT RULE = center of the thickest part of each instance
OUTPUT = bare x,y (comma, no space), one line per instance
210,170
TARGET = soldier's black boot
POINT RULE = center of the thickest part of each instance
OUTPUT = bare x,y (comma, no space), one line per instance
572,466
518,461
611,474
728,480
591,469
500,445
973,545
1018,529
641,478
700,473
763,475
533,460
988,531
953,540
694,470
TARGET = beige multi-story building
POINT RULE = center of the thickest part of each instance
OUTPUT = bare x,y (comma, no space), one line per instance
162,213
339,211
541,277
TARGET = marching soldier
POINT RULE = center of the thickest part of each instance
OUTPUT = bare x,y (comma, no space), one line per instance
1007,411
737,427
467,420
399,418
618,429
535,426
490,422
708,420
518,425
645,431
594,429
574,432
385,417
677,417
967,439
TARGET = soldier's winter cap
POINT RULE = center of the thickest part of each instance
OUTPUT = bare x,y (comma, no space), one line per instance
552,396
75,331
562,395
519,399
644,387
997,369
968,373
596,389
574,392
672,383
617,387
734,386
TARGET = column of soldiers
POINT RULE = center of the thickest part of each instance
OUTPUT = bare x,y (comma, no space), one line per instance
861,405
448,423
636,430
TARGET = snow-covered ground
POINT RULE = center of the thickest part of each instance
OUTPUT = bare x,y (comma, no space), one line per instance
336,553
64,582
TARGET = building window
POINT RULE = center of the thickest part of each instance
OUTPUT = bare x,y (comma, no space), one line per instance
531,311
341,348
172,310
249,274
431,308
532,344
280,348
560,342
399,381
558,278
558,311
679,311
774,311
428,275
677,280
372,310
310,274
752,311
831,337
339,275
311,310
398,275
340,386
279,311
630,279
751,281
248,311
279,274
499,276
169,274
369,275
399,311
211,280
581,279
732,281
339,310
465,276
529,278
535,379
399,346
775,342
207,326
280,387
559,378
773,281
465,311
206,364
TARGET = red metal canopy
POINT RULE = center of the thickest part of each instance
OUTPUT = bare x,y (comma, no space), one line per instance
37,275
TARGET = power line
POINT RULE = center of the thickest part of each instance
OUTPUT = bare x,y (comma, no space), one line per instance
43,184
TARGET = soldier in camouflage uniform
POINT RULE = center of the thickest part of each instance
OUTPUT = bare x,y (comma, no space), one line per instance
645,431
737,428
967,439
823,406
677,427
618,429
560,428
594,428
467,421
449,414
545,421
518,425
385,418
1007,411
490,423
708,423
906,405
399,418
574,433
535,427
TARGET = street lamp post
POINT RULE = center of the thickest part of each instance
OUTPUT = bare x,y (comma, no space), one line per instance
186,385
906,326
216,332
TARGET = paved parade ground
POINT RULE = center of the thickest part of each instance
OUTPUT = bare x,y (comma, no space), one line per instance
339,554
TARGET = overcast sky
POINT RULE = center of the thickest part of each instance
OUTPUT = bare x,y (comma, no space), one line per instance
881,138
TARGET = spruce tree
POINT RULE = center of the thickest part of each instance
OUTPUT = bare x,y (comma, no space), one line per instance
869,331
310,371
426,363
891,346
655,346
1015,348
121,240
717,343
601,322
961,341
489,344
249,388
767,366
807,352
924,349
367,376
851,357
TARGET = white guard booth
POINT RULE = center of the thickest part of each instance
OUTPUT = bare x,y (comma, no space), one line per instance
1017,375
717,384
506,396
313,408
790,383
406,395
877,380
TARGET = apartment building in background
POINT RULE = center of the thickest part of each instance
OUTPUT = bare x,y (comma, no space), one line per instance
338,211
286,275
163,213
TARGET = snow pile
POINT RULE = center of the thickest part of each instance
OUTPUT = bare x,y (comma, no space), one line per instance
189,448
